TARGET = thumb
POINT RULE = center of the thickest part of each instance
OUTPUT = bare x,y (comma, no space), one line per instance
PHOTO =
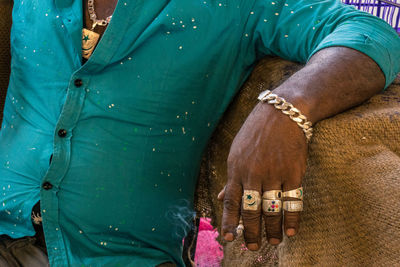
221,194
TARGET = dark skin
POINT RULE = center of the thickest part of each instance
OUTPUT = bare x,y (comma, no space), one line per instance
103,9
270,150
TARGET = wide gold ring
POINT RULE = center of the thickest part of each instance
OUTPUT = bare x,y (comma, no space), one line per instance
271,205
293,206
251,200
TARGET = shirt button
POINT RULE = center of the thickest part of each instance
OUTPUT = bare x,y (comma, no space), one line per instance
78,82
62,133
47,186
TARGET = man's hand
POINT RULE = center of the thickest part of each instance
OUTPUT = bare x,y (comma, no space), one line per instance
268,153
270,150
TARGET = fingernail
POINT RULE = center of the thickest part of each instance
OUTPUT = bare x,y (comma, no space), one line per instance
252,246
274,241
290,232
228,237
219,195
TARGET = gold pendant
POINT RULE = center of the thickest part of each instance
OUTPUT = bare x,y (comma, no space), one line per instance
89,42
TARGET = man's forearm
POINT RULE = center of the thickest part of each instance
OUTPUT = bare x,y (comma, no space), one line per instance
335,79
270,150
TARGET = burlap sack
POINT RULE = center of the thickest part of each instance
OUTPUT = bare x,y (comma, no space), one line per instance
352,185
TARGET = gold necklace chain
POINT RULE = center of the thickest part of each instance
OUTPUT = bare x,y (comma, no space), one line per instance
93,16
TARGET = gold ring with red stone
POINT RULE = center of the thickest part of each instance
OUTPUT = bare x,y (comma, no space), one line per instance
272,205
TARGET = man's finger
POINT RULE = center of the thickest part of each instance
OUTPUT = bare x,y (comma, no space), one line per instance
273,228
292,215
291,223
251,215
272,212
230,216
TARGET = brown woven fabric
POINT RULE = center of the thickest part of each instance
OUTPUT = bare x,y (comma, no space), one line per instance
5,25
352,209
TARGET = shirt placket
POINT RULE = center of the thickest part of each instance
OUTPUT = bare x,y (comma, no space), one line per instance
71,23
75,97
61,158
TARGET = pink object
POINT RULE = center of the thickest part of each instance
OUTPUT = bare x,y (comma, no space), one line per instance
205,224
209,252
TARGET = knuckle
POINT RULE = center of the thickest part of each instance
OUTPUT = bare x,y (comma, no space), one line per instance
250,238
251,230
231,205
292,219
273,223
273,226
249,216
251,234
228,227
229,222
274,233
251,222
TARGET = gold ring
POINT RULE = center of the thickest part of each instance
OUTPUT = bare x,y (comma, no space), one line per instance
295,193
251,200
293,206
272,194
271,205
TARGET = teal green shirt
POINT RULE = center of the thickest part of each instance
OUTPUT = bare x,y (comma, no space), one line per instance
128,128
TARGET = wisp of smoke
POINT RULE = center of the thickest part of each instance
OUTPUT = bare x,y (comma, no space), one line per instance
181,216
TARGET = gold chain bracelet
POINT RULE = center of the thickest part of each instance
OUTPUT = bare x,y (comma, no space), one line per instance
288,109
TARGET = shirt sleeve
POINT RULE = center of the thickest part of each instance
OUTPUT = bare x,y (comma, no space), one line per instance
297,29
